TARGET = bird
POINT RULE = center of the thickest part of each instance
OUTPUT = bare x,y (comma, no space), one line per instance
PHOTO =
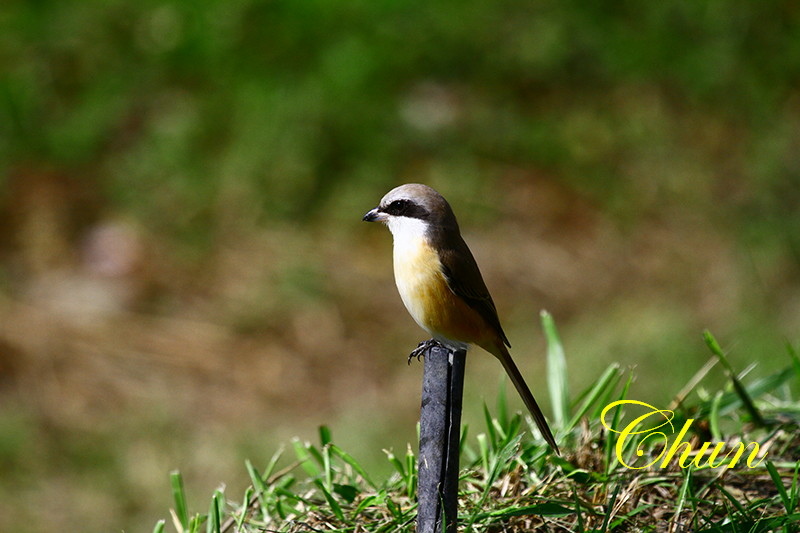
441,285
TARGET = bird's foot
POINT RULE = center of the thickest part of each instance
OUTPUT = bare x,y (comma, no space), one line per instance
421,348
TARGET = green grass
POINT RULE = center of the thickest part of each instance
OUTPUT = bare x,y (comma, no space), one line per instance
511,482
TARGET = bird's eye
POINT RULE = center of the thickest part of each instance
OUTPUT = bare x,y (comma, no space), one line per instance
405,208
398,207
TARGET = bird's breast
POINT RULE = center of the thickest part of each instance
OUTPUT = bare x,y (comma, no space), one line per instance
427,295
419,278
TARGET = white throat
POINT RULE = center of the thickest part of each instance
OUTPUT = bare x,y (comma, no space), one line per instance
407,232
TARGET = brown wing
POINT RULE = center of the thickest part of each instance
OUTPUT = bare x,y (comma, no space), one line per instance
465,280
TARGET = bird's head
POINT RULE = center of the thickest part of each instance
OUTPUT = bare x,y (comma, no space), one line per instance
413,204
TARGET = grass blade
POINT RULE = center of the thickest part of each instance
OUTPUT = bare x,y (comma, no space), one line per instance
491,428
795,360
556,370
325,436
713,418
713,345
305,455
610,511
214,522
484,450
541,509
682,498
731,498
334,505
179,497
327,468
396,463
606,382
502,402
255,477
611,438
776,478
795,491
249,501
411,469
349,460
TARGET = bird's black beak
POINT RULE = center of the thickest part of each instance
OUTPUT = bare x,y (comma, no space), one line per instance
375,215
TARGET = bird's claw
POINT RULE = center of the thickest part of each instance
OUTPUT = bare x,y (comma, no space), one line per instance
421,348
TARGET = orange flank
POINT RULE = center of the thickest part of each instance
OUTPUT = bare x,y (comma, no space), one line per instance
428,298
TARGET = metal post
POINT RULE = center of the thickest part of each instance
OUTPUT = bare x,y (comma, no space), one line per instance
439,436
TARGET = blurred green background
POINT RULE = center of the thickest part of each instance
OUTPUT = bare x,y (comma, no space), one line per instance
184,277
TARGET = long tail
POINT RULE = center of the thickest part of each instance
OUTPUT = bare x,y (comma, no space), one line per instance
527,397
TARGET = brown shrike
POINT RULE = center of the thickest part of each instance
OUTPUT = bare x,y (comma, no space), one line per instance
440,284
